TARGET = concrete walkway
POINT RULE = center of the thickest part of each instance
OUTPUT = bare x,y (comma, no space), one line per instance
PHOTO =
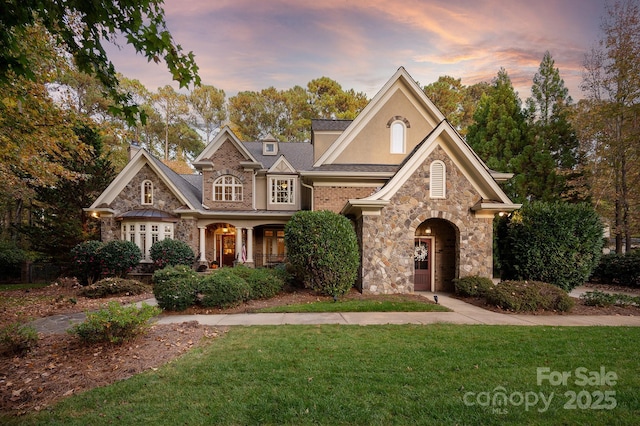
462,313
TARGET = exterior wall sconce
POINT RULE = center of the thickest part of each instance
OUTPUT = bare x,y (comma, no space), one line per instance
427,231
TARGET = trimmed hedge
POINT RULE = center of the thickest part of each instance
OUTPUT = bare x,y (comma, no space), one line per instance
170,252
86,261
528,296
322,248
223,289
175,287
118,257
263,283
557,243
619,269
473,286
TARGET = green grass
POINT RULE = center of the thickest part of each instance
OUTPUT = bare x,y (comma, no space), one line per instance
358,306
369,375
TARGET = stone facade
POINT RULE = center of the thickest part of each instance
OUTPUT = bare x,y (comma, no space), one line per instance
163,199
387,240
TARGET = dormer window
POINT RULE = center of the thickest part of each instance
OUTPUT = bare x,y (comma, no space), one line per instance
147,192
269,146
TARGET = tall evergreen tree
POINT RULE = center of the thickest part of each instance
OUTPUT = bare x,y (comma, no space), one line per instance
500,132
551,162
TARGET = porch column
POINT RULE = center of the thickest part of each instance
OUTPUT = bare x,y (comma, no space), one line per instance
238,244
203,230
249,245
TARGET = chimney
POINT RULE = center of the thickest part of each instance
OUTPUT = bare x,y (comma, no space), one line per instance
133,149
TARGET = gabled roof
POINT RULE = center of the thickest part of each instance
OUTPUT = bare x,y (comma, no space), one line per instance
445,136
179,187
367,114
298,154
225,134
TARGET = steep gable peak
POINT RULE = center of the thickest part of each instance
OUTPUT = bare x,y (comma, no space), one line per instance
400,83
225,135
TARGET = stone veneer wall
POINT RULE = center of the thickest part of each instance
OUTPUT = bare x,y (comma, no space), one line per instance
226,161
388,240
163,199
335,197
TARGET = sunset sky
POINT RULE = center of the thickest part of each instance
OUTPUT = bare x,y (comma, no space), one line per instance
253,44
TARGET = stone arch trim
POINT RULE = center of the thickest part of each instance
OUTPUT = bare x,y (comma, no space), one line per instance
435,214
398,118
228,172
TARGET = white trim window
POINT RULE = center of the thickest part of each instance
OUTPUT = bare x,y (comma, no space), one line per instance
146,193
438,180
282,190
227,188
144,234
398,137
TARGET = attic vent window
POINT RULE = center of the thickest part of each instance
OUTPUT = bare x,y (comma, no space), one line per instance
438,180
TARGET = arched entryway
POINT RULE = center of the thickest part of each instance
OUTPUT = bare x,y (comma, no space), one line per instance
436,254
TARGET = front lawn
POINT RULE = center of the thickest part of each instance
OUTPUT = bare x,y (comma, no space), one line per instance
379,304
329,374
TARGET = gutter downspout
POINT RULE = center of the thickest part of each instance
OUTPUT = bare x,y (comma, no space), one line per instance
311,188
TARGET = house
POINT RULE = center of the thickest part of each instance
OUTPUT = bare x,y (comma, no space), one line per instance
421,201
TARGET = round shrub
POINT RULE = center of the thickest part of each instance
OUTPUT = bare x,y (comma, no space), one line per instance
322,248
114,286
472,286
557,243
175,287
118,257
86,261
223,289
528,296
263,283
170,252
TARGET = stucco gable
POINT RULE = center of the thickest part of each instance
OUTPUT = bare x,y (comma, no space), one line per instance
400,86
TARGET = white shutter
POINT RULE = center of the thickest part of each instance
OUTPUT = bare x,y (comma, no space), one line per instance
438,182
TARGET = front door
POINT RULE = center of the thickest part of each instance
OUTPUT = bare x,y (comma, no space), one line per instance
228,249
422,257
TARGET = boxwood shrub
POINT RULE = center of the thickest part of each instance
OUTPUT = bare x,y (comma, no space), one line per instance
223,289
169,252
263,283
528,296
556,243
175,287
472,286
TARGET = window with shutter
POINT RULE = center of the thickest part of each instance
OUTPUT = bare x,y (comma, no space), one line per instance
438,182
